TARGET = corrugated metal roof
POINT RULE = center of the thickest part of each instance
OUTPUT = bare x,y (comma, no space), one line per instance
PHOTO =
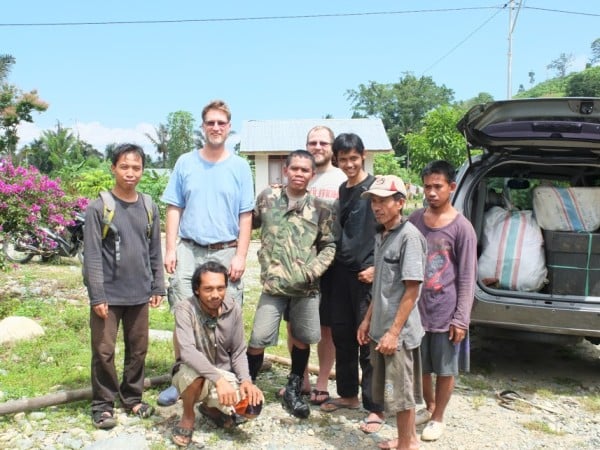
288,135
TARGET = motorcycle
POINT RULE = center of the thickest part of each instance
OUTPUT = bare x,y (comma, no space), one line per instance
22,247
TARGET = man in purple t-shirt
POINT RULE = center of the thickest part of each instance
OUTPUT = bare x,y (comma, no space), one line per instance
447,292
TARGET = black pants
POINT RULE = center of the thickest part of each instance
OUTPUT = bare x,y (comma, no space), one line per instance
105,383
349,304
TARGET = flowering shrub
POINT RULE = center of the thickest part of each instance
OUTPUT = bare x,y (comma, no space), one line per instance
30,201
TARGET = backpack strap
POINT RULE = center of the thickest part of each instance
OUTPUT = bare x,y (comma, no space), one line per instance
108,212
147,200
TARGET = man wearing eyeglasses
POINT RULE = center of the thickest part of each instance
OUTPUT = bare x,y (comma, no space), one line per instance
210,198
324,185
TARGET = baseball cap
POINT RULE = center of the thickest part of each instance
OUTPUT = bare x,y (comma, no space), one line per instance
385,186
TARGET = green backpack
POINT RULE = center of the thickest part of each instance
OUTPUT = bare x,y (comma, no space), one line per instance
108,213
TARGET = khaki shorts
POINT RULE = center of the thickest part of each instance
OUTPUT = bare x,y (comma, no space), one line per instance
397,383
208,396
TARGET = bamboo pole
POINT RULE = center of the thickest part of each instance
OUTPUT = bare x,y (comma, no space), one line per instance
58,398
288,362
74,395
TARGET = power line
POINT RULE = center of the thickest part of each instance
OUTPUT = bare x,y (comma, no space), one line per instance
290,17
264,18
467,37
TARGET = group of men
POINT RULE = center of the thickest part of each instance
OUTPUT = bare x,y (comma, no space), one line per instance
377,293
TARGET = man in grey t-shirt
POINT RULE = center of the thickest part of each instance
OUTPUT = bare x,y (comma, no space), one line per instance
392,324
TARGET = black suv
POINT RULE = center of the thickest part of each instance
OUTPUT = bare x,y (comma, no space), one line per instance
531,188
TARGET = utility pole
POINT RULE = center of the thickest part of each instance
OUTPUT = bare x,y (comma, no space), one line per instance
511,27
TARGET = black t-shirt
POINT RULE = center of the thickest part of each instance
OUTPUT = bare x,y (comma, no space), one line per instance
358,227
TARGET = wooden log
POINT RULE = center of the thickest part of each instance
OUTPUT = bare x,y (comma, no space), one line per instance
75,395
58,398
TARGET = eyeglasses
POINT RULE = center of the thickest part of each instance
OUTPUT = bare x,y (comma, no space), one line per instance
321,143
212,123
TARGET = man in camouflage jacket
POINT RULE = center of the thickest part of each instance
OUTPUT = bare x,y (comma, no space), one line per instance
297,246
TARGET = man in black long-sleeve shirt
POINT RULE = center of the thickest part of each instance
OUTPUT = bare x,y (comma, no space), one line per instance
351,278
123,274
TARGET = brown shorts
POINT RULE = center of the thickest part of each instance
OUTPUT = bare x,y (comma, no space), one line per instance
397,383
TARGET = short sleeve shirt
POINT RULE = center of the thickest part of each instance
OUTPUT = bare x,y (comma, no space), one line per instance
399,256
212,195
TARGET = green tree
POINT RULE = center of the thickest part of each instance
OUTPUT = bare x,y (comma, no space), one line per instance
437,139
585,83
6,63
16,106
58,151
180,125
199,138
160,140
595,46
400,106
389,164
61,147
386,164
561,64
482,97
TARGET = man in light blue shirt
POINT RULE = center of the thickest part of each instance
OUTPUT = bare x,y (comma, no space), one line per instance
210,198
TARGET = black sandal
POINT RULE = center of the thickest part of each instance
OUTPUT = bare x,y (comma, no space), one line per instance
103,420
143,411
181,437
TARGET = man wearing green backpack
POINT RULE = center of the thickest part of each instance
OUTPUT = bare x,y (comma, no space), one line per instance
123,274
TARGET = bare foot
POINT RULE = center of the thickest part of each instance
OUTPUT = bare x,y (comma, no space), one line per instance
388,445
393,444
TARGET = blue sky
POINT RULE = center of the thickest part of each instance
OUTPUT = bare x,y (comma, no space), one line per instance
112,83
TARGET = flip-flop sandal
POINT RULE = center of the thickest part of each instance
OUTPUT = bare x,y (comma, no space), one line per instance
333,404
365,424
181,437
315,393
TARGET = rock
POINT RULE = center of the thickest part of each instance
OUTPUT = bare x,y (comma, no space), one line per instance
17,328
125,440
37,415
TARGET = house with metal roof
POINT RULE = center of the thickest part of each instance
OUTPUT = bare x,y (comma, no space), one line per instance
268,142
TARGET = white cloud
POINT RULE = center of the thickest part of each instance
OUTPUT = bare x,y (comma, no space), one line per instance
100,136
96,134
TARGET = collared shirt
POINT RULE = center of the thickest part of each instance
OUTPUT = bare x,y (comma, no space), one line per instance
399,255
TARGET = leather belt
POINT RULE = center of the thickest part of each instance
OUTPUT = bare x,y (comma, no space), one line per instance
215,246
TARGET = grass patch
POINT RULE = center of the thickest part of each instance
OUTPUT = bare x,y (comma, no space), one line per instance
475,382
591,403
545,394
543,427
53,295
478,401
